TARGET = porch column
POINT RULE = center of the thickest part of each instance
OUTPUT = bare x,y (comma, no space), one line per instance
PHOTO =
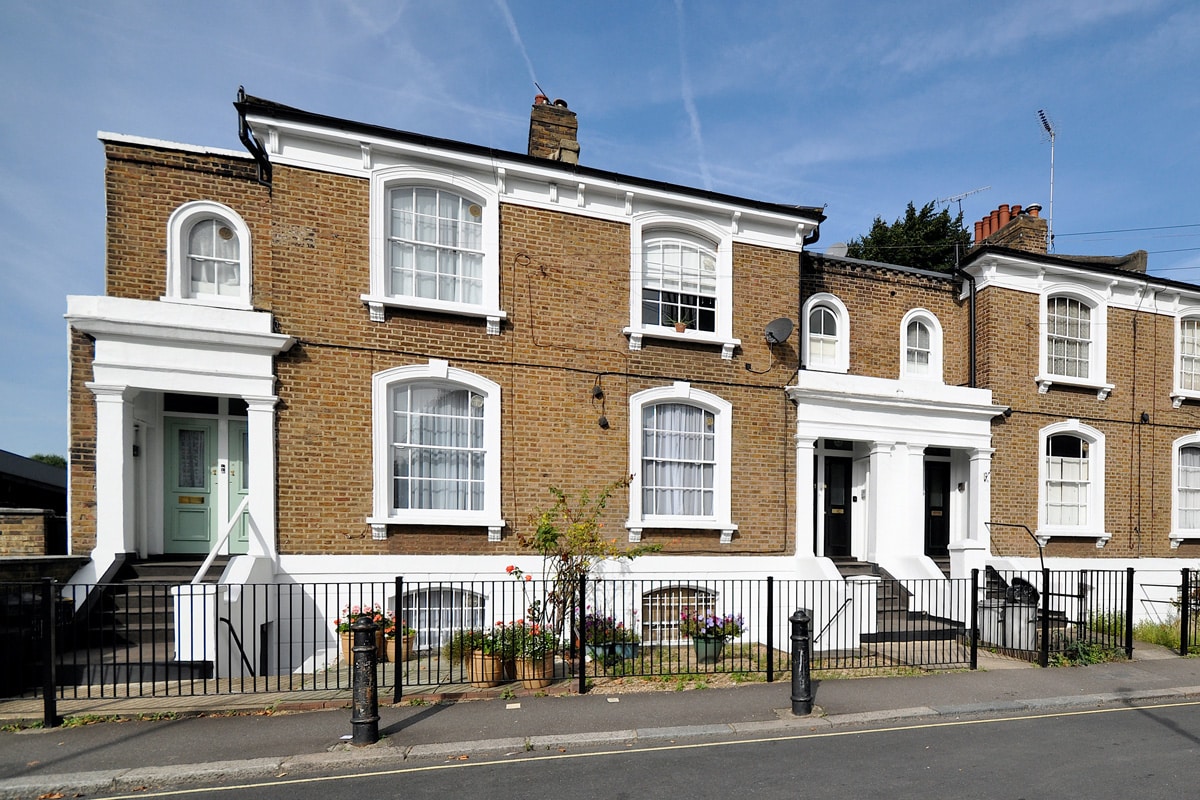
260,432
115,529
880,498
806,448
911,538
972,552
980,495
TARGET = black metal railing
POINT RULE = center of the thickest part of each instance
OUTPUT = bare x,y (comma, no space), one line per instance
143,639
1189,612
1066,615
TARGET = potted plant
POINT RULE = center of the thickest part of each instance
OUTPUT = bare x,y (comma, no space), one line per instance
348,617
709,633
534,648
626,640
484,653
598,635
680,319
396,633
608,639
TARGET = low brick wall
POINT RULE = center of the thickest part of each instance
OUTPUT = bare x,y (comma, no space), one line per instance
24,569
31,532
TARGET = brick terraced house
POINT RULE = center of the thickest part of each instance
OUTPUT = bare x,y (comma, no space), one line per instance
363,352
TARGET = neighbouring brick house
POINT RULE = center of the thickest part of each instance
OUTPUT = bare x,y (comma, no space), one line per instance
33,504
1098,363
383,348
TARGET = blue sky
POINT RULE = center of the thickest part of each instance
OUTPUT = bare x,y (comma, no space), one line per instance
857,106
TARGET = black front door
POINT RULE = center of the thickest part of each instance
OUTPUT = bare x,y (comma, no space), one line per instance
937,508
837,506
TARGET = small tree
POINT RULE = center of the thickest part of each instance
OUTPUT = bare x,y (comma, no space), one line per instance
568,538
922,239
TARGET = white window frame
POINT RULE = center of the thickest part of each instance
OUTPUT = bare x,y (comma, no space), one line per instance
179,226
437,613
930,321
841,359
722,410
1180,534
655,224
663,607
1180,393
381,412
1097,347
380,297
1094,527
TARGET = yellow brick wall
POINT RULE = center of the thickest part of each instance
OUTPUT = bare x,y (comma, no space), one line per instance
564,285
22,533
1137,475
876,301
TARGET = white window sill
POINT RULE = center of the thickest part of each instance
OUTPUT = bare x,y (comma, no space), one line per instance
636,335
379,525
1044,535
1179,537
1044,383
213,301
635,527
1179,395
377,303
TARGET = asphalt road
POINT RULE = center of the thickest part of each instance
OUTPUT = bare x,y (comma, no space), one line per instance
1143,752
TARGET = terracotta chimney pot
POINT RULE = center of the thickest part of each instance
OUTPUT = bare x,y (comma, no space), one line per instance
1016,211
979,237
1033,209
1004,215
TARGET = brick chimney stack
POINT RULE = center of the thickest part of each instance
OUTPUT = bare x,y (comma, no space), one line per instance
553,131
1017,228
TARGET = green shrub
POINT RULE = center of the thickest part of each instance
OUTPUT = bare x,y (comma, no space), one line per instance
1080,652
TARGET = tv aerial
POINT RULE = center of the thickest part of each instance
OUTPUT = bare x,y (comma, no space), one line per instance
958,198
1049,128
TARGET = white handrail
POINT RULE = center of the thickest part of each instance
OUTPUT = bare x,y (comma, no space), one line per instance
212,554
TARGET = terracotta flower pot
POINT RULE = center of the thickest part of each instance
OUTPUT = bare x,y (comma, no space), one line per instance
348,647
536,673
391,650
484,669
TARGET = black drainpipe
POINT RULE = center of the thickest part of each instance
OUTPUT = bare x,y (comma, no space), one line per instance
251,143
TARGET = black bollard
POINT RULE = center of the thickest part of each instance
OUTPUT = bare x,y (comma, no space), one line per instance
364,723
801,651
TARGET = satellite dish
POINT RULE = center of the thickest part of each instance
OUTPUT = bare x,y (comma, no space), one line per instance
778,331
837,250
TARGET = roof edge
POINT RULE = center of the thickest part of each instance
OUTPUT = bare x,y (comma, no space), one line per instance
258,106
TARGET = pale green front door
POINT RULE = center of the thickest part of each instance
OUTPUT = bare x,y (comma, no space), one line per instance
197,480
190,460
239,484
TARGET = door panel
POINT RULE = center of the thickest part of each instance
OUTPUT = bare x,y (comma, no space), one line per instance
837,506
937,508
239,484
190,462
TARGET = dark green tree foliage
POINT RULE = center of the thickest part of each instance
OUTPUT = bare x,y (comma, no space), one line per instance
922,239
48,458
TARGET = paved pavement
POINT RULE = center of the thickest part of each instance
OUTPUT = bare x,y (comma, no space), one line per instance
230,737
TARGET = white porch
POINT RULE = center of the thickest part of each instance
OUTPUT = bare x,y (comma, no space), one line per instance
890,430
146,351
